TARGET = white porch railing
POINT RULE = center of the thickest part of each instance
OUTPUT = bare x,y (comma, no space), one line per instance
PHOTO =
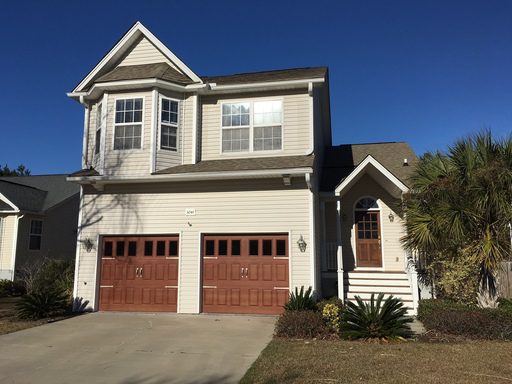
330,256
412,275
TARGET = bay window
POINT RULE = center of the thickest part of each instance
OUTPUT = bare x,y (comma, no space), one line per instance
128,124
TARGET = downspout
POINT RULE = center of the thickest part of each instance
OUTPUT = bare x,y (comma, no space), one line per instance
78,243
311,148
15,245
85,139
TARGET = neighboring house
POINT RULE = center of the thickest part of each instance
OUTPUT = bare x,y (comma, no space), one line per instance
220,194
38,219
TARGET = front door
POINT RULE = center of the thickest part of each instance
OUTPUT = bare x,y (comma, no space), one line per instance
368,245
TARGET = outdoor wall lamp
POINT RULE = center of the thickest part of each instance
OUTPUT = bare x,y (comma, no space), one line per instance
302,244
88,244
391,217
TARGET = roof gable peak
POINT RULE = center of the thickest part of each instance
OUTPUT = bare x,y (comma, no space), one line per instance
119,51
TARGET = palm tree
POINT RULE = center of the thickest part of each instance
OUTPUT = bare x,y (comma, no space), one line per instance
460,205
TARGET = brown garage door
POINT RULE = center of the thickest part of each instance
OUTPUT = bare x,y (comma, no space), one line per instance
245,273
139,274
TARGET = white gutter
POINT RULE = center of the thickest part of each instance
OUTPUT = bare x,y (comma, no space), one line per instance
78,244
85,139
194,176
215,87
311,120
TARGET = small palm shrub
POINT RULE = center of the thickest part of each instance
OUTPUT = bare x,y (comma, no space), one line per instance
305,324
79,305
300,300
377,319
45,303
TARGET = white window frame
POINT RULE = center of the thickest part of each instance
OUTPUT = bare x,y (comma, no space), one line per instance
40,235
160,123
251,126
98,128
142,123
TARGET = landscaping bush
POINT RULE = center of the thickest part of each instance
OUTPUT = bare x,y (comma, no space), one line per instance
300,300
470,322
45,303
331,313
377,319
505,304
48,275
11,288
301,325
332,300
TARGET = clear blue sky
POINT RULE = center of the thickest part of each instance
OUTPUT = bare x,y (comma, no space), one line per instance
427,72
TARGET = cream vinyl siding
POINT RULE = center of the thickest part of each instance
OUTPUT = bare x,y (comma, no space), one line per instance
144,52
92,158
133,161
261,207
393,255
6,243
295,131
166,158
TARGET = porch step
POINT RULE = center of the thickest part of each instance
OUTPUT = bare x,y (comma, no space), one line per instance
391,289
381,282
377,275
406,298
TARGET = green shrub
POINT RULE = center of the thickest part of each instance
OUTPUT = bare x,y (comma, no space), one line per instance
45,303
428,306
377,319
11,288
505,304
470,322
300,300
301,325
48,274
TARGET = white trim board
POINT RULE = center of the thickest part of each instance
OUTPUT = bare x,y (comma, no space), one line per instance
359,171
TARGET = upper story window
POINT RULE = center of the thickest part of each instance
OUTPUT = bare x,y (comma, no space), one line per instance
128,124
98,129
252,126
36,232
366,203
169,124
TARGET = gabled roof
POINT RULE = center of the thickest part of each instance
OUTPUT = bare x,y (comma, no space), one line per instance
108,62
246,164
340,161
37,193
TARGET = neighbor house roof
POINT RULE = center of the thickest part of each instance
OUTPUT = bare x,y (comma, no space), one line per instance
161,71
268,76
37,193
341,160
246,164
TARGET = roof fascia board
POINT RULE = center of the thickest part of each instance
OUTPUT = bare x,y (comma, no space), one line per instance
194,176
137,30
277,84
9,203
369,160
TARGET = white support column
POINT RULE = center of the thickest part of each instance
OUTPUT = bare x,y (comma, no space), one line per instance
154,130
323,248
341,288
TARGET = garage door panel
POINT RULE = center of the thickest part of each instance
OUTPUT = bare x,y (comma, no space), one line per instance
136,274
256,265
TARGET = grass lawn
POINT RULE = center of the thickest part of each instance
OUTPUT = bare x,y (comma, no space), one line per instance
321,361
8,320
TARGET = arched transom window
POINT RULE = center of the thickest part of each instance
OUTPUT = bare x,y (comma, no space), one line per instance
366,204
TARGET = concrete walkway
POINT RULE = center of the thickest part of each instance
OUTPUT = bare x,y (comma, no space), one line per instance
135,349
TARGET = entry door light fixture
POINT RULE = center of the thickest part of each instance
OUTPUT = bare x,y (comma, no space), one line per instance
302,244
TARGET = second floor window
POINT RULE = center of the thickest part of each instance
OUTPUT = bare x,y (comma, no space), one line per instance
98,129
169,124
252,126
36,232
128,124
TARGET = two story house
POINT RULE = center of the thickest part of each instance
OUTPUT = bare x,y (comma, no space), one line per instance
220,194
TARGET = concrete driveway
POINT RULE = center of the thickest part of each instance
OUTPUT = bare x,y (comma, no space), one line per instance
135,348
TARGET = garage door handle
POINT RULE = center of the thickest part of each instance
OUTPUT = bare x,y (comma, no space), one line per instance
246,271
137,272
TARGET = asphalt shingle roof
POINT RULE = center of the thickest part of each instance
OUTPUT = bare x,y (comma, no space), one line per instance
268,76
340,161
37,193
246,164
